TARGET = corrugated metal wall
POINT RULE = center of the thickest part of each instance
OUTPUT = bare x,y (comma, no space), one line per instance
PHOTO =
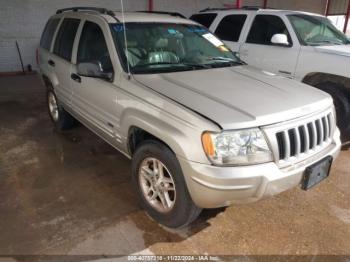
315,6
338,7
23,20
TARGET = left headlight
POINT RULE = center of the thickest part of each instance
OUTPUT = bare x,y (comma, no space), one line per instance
242,147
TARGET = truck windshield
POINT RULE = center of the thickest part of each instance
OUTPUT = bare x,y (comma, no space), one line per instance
317,30
162,48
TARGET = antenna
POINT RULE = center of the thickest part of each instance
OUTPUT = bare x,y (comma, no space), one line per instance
126,42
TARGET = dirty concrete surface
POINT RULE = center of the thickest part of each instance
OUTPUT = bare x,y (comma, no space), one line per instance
71,193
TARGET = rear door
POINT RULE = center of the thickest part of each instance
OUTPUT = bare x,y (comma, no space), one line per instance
205,19
94,99
44,54
230,28
61,59
260,52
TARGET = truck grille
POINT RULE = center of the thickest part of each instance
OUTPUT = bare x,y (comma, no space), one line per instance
300,139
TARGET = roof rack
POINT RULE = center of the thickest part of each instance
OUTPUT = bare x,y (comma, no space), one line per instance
254,8
86,8
164,13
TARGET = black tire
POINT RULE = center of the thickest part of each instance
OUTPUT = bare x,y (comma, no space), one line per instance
184,211
341,103
64,120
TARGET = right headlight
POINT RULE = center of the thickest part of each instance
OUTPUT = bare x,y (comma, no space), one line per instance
242,147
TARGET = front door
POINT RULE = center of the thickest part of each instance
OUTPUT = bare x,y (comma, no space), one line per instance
259,51
94,99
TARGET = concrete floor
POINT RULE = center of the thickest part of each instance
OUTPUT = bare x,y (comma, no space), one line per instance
71,193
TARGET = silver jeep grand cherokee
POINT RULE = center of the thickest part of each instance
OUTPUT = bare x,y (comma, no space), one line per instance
203,129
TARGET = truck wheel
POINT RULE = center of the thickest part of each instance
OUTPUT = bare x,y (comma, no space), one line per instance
60,117
160,185
341,103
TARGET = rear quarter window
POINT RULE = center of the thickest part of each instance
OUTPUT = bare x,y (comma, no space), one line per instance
49,31
204,19
65,38
230,27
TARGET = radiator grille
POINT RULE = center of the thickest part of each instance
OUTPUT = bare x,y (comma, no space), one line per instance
305,137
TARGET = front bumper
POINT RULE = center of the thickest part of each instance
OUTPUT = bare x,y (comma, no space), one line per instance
213,186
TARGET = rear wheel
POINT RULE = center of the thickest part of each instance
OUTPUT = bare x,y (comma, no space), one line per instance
161,187
60,117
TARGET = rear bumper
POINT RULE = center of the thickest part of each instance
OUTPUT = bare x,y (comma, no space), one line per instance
212,186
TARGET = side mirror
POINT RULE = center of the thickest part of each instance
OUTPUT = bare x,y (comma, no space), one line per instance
280,39
93,69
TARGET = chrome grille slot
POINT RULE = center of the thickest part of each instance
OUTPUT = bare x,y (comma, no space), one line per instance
304,138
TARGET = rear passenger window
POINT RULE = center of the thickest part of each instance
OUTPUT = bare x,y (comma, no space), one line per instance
230,27
204,19
49,31
65,38
264,27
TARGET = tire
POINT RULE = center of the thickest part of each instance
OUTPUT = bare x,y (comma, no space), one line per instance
341,103
182,211
60,117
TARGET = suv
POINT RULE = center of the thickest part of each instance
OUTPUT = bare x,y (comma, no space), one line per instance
203,129
294,44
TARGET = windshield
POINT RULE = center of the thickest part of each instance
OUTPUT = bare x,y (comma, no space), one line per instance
160,47
317,30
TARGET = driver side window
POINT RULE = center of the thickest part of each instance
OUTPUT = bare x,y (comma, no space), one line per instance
93,47
265,27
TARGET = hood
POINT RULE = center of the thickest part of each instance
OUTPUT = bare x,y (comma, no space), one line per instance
343,50
238,97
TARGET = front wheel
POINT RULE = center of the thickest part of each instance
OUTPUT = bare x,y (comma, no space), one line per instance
161,187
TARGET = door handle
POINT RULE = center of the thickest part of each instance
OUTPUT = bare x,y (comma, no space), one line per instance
285,72
76,78
51,63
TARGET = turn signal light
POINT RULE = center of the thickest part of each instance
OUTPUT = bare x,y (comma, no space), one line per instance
208,144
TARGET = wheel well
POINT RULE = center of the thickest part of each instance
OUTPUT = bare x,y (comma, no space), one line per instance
138,135
47,81
342,82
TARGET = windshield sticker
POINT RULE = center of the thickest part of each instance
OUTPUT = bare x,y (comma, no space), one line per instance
172,31
223,48
118,28
197,30
213,39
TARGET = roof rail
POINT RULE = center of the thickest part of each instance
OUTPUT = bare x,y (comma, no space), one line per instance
164,13
86,8
254,8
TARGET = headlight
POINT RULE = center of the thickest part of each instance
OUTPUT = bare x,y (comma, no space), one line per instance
243,147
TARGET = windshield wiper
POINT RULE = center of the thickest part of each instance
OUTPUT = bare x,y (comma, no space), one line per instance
197,66
189,65
156,63
227,60
173,67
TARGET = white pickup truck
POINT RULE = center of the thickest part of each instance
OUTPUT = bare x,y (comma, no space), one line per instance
298,45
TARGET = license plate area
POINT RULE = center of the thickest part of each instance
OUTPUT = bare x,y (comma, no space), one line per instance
317,172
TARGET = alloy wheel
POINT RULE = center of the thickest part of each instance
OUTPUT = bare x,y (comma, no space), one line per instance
157,185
